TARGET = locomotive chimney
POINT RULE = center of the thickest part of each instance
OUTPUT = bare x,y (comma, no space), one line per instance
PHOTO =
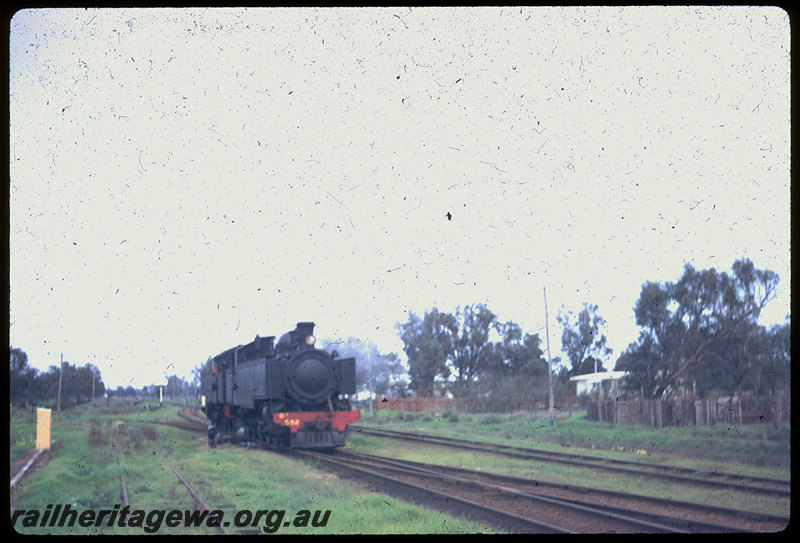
303,331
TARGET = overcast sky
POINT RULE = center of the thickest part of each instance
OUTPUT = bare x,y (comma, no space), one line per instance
184,179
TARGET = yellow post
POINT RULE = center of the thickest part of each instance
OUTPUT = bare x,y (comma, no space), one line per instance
42,428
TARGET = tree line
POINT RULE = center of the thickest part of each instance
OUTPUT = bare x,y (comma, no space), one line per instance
491,364
175,387
79,384
28,386
699,338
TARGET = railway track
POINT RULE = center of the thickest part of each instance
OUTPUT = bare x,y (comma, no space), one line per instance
190,414
418,488
189,421
192,492
123,487
694,477
687,515
495,516
532,506
523,505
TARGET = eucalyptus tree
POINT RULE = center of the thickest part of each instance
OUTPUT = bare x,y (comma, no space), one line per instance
582,341
428,345
472,345
698,327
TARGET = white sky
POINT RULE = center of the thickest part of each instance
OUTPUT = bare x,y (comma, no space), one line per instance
184,179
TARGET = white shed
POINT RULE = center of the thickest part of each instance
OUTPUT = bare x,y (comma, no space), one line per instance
601,384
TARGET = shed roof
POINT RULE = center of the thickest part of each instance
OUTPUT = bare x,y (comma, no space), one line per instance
599,376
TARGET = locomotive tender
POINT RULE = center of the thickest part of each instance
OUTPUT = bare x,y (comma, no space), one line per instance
287,393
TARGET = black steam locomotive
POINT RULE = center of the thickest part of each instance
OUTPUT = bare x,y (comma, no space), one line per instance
287,393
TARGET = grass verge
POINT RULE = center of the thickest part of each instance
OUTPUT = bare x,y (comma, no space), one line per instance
85,474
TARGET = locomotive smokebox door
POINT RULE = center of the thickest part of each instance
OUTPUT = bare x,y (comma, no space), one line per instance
309,378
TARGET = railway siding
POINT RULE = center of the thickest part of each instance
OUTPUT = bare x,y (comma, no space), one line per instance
516,504
755,501
717,479
703,517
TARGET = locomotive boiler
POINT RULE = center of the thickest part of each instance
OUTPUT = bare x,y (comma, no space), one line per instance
287,393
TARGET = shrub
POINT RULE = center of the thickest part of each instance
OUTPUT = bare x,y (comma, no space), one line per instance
97,437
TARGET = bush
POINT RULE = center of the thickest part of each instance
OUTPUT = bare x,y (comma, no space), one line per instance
450,416
492,419
97,437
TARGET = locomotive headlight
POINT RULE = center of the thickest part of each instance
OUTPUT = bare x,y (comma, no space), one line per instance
310,340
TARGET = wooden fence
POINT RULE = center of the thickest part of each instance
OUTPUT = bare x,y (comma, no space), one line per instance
731,410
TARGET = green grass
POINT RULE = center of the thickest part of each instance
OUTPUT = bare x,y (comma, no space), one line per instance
85,474
759,448
22,433
751,449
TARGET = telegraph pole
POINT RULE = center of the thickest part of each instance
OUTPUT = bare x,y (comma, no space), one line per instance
369,366
60,371
549,363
